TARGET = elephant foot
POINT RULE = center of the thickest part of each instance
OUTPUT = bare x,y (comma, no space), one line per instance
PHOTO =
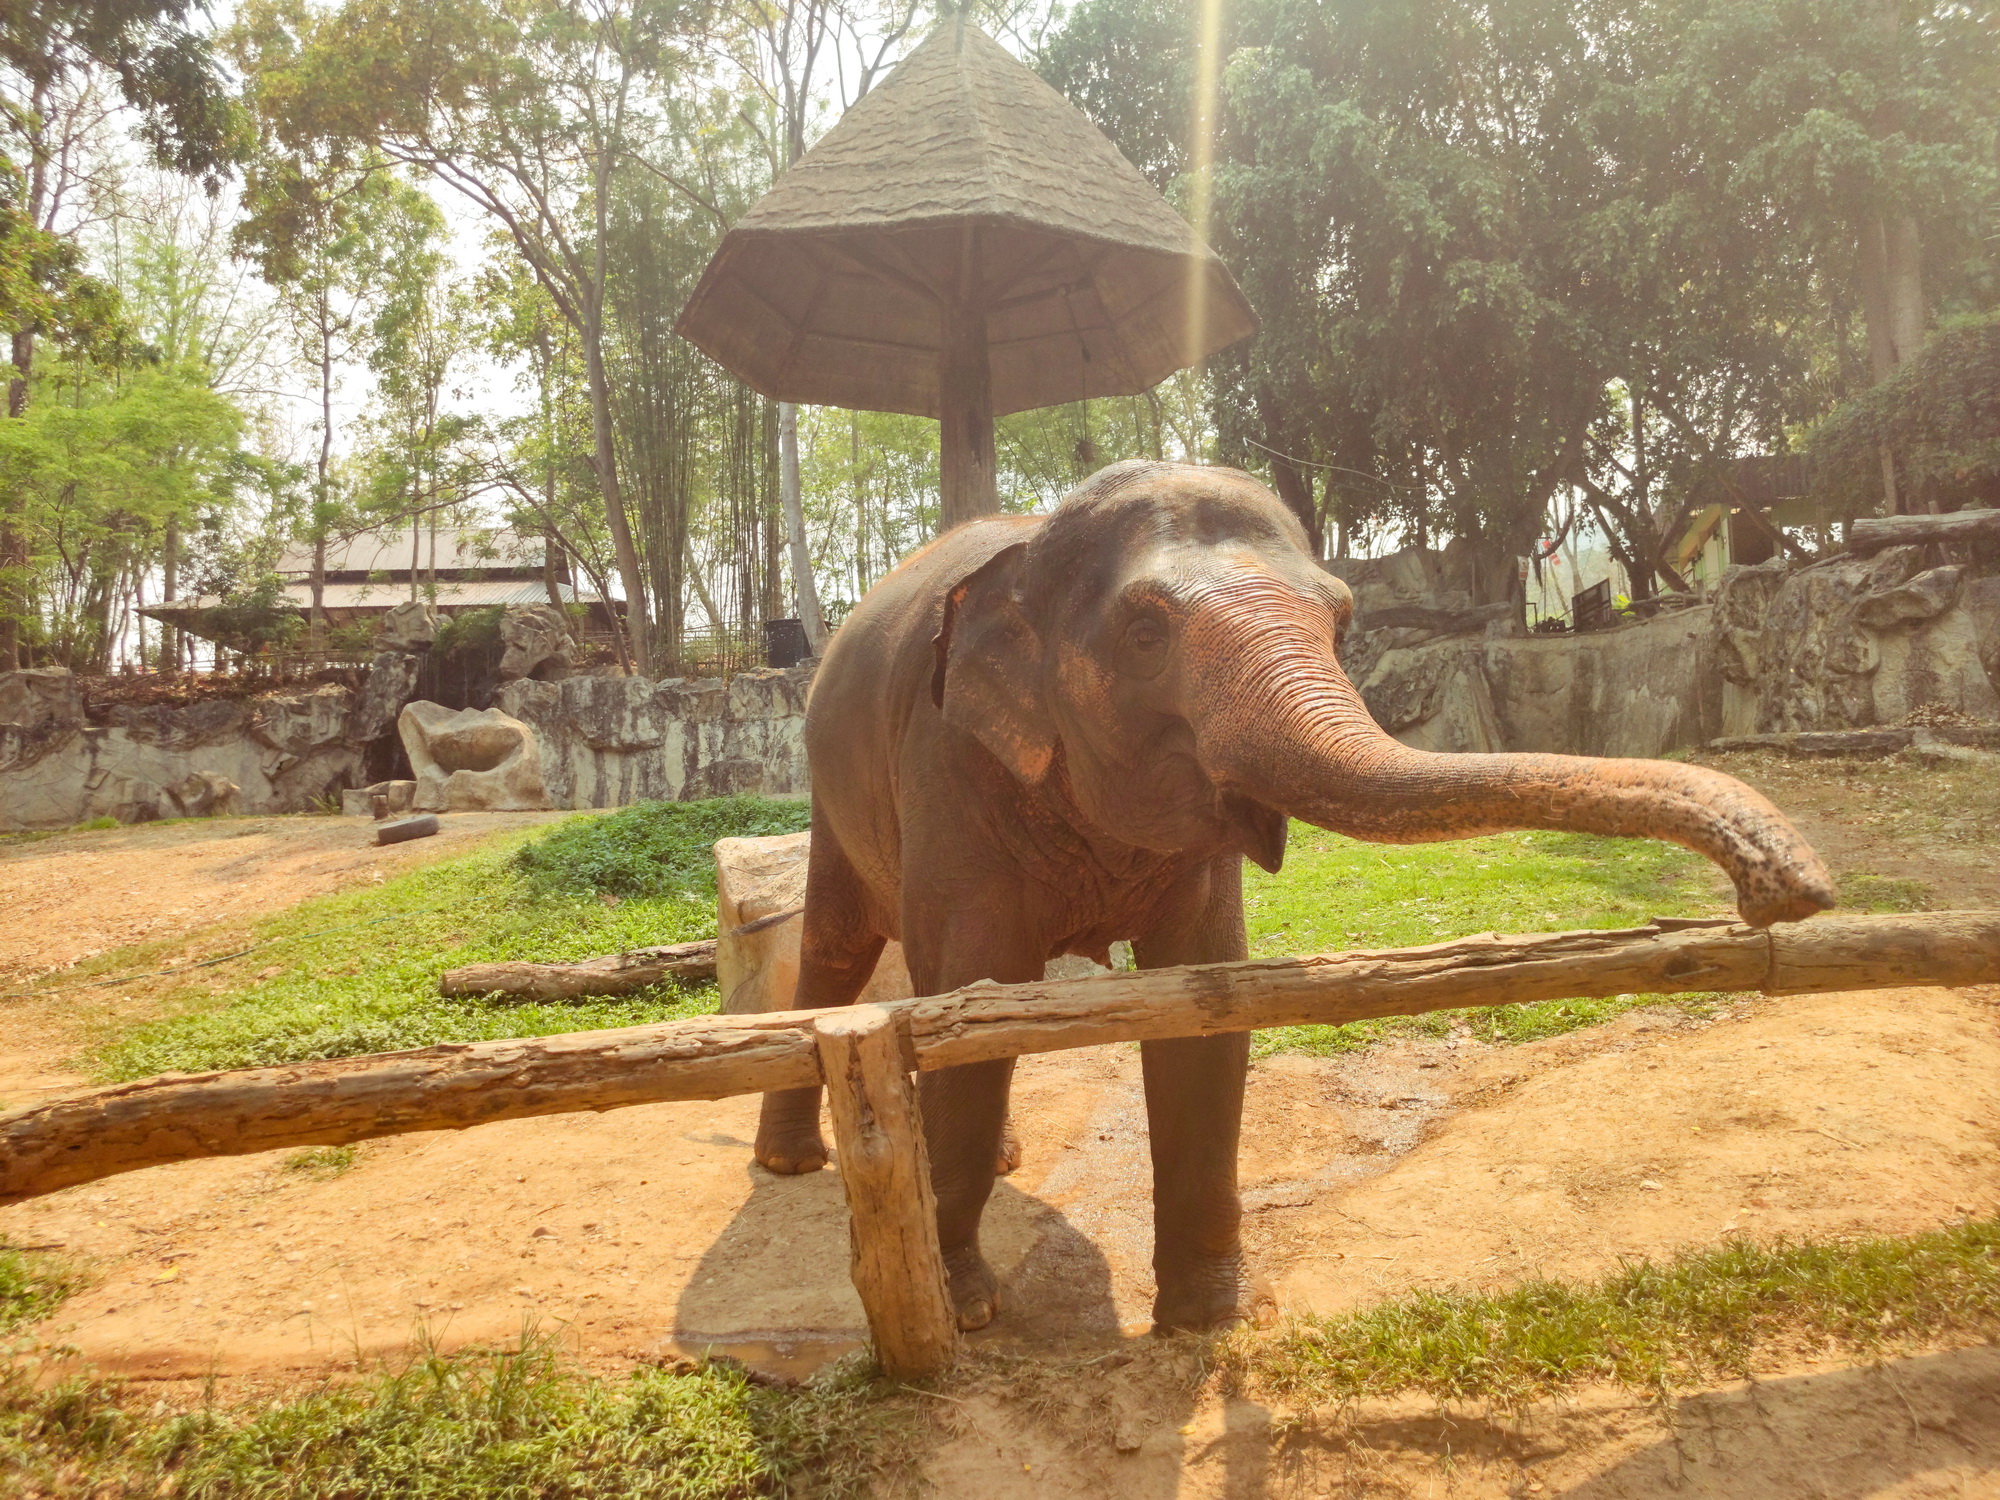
788,1138
975,1293
1211,1298
1009,1157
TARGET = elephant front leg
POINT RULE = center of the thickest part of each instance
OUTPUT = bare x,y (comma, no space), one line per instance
965,1118
837,955
958,934
1194,1118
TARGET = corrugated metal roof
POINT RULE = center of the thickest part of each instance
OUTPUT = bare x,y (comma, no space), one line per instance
389,552
378,598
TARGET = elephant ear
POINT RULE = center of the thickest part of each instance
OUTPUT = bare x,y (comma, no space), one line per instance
988,679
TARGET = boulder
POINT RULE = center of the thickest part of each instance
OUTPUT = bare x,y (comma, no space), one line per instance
203,794
471,759
537,644
361,804
410,626
41,698
760,892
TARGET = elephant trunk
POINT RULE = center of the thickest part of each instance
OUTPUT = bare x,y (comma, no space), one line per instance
1288,728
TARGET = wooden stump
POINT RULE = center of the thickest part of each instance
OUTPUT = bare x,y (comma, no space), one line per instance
892,1214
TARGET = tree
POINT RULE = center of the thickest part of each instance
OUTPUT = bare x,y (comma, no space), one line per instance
328,235
53,57
1860,134
1939,412
527,109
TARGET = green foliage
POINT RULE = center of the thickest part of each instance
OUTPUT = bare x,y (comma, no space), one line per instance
95,468
1503,251
1336,893
255,617
652,850
1939,414
469,630
1703,1316
32,1284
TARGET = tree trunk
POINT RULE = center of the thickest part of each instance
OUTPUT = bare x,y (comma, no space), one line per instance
614,974
606,465
13,541
170,583
1296,490
894,1258
795,527
316,625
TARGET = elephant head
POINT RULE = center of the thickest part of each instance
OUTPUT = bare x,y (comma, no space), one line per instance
1169,641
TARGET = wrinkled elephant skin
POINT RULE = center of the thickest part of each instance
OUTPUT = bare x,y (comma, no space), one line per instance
1044,734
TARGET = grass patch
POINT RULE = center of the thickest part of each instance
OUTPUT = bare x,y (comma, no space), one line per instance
357,972
32,1284
1704,1316
653,850
1337,893
321,1163
475,1424
1860,891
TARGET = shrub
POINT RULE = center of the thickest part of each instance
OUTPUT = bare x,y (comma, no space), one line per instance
653,849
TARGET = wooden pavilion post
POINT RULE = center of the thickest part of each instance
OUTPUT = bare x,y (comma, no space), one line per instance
969,480
878,1133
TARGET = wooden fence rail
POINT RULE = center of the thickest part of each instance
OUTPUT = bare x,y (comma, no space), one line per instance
451,1087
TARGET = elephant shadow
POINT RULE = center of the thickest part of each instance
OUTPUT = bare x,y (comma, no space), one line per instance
772,1289
777,1274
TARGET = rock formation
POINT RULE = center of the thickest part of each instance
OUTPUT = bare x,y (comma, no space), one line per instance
411,626
613,741
471,759
536,643
269,753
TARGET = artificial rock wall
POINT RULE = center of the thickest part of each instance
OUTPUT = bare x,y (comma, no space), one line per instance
610,741
285,752
1849,643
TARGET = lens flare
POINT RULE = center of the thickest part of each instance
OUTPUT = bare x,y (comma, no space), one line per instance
1201,160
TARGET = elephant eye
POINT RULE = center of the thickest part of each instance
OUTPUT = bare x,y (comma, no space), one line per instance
1143,650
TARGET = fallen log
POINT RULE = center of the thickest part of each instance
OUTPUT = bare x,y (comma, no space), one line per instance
613,974
452,1087
1871,534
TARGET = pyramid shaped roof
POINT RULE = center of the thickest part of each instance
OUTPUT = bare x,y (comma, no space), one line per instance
962,178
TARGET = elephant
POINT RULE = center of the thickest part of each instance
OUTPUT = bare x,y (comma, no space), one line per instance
1042,734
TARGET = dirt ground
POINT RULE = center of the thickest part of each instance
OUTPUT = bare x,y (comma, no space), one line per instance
1414,1164
71,896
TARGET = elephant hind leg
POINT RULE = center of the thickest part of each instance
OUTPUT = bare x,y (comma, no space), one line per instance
837,954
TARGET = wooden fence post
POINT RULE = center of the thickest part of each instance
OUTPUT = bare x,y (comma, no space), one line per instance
879,1134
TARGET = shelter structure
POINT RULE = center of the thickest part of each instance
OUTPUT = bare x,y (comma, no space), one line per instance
963,244
372,572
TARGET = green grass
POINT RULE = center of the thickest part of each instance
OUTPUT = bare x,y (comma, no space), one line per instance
357,972
1860,891
321,1163
475,1424
32,1284
1336,893
1704,1316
